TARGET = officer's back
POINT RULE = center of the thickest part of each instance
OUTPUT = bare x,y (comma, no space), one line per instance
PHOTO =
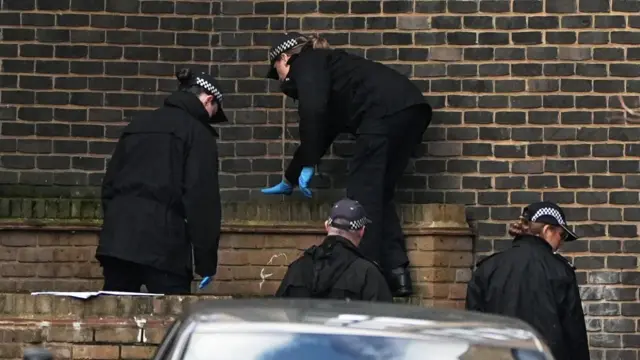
531,282
336,269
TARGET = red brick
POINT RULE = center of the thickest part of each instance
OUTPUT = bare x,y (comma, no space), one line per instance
81,238
57,270
118,335
19,238
435,275
73,254
232,257
20,335
95,352
137,352
154,335
18,270
428,259
60,351
10,351
35,255
280,241
458,291
79,334
8,286
273,257
242,241
460,259
8,254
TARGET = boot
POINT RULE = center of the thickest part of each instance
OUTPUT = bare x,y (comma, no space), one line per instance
400,282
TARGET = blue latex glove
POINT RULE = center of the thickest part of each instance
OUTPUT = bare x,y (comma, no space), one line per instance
204,282
303,181
281,189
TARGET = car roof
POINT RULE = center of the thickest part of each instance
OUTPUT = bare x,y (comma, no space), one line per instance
356,317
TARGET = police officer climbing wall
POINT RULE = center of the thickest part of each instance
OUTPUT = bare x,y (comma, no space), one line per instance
160,194
338,92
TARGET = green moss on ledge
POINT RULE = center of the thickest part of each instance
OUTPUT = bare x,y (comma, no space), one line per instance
40,212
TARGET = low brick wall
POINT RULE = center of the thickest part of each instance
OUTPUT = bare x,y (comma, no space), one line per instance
258,242
100,328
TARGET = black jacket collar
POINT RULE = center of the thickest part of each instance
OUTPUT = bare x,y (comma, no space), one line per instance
534,241
189,103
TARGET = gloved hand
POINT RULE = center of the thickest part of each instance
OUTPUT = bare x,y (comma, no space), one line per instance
303,181
204,282
281,189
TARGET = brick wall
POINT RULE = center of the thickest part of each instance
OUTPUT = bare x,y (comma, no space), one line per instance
103,328
257,244
525,93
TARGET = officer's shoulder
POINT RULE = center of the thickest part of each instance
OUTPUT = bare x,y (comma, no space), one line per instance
366,267
564,261
488,259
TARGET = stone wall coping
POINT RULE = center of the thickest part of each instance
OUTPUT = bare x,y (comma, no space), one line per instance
300,217
310,229
64,308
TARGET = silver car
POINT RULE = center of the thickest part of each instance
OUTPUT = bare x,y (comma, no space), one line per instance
301,329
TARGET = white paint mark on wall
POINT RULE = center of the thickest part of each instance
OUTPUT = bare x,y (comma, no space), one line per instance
141,322
264,276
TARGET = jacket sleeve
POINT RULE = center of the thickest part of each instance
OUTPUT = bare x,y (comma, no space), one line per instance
375,287
474,300
293,283
573,325
115,163
313,83
201,200
533,299
295,166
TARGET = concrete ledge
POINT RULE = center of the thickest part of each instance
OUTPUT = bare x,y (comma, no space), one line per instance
41,307
266,217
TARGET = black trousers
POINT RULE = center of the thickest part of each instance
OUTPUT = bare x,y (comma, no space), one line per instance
121,275
378,163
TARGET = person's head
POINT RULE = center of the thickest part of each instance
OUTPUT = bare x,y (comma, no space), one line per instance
545,220
206,89
347,219
286,48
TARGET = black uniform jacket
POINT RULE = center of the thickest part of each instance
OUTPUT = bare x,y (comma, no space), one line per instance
530,282
160,194
340,92
334,270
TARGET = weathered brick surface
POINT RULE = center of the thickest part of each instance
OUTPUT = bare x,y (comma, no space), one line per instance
99,328
525,93
253,255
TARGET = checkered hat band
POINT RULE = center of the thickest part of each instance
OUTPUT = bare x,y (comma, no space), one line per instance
353,225
210,88
285,46
548,212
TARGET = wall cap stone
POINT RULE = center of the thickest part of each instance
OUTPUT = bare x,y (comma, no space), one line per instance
261,216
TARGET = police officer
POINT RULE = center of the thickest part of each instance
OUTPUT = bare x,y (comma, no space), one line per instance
531,282
160,194
336,269
338,92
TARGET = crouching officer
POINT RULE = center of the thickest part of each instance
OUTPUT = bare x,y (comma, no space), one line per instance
336,269
531,282
160,194
338,92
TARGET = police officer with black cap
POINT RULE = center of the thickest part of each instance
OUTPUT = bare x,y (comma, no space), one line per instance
336,269
160,194
338,92
530,281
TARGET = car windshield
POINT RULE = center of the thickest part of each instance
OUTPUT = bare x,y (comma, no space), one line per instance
290,346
